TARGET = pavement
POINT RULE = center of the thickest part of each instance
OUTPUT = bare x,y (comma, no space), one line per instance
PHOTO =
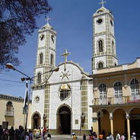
62,137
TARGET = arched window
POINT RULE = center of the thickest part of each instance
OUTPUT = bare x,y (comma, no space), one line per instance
52,59
39,78
103,94
118,92
134,85
64,91
100,65
113,47
36,121
41,58
9,106
100,45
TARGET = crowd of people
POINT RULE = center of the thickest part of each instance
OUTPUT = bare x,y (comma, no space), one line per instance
22,134
15,134
102,136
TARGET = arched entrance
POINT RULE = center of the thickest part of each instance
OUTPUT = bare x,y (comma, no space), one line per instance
119,121
64,120
135,121
36,121
104,122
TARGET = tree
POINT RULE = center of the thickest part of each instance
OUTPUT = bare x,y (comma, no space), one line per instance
17,19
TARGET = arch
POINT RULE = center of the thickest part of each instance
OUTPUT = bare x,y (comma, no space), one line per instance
118,93
100,65
39,78
134,86
9,106
103,121
52,59
100,45
64,119
113,47
64,91
102,94
41,58
134,117
119,117
117,109
36,120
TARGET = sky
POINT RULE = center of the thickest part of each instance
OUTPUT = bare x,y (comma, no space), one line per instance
72,20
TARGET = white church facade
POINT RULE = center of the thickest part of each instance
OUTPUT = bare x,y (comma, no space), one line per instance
60,99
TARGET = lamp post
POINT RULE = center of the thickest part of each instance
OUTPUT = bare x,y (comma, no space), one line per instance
27,78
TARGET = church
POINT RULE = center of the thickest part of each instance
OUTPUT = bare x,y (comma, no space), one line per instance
66,99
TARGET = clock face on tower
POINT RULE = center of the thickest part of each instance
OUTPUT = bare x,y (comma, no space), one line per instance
99,21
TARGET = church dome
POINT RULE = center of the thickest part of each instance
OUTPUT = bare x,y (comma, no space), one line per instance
47,26
102,10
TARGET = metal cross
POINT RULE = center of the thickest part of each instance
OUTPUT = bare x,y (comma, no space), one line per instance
47,19
65,54
102,3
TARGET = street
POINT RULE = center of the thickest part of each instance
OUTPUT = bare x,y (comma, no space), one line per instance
63,137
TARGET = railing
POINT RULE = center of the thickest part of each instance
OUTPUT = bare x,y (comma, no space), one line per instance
9,113
115,100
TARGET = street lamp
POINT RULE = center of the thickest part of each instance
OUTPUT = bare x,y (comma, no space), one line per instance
27,78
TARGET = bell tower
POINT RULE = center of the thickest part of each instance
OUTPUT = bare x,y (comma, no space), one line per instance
104,43
46,52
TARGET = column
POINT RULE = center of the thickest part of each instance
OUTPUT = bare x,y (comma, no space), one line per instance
111,122
95,123
128,125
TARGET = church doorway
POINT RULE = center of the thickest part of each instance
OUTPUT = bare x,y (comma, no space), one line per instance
135,121
64,120
36,121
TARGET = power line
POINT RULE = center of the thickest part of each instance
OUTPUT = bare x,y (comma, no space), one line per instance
10,81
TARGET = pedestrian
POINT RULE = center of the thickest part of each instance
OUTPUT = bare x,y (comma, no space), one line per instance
118,137
100,136
11,133
26,136
74,137
133,137
84,137
1,133
91,130
123,136
5,134
30,135
111,137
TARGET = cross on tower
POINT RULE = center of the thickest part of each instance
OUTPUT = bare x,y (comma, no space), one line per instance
102,3
65,54
47,19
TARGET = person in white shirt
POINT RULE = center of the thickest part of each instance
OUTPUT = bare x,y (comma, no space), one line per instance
118,137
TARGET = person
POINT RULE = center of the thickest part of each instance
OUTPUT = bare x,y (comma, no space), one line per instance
100,136
91,130
5,134
11,133
118,137
84,137
1,133
26,136
133,137
123,136
74,137
44,132
111,137
48,136
30,135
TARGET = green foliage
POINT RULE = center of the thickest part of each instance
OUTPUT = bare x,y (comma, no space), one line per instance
17,19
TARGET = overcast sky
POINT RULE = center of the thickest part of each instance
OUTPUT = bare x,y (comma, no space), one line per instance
72,20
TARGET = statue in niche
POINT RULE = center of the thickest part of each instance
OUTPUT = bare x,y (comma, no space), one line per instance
82,119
